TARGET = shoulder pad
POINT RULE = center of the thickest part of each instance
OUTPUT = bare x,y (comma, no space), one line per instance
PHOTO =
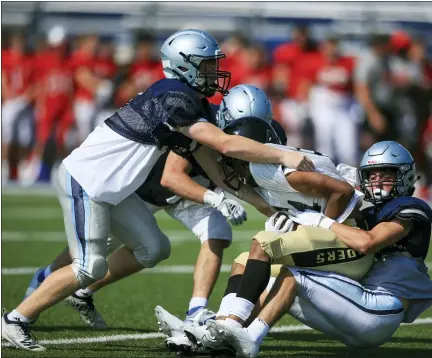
407,208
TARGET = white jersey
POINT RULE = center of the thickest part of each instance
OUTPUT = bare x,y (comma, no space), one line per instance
274,188
109,166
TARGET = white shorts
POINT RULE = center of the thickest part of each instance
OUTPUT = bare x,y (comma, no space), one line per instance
205,222
345,310
84,112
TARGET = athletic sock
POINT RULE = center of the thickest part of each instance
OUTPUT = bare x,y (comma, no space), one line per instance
196,303
254,281
84,293
258,329
226,304
232,323
16,316
241,308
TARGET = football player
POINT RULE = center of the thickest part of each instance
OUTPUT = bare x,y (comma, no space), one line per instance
117,157
323,189
397,289
207,223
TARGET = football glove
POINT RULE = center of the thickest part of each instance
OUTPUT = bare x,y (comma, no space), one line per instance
310,218
230,209
279,222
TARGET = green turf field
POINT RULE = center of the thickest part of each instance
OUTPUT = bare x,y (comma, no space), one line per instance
32,235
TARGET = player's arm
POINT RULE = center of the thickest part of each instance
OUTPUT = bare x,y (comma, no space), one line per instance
175,177
337,193
244,148
207,159
369,242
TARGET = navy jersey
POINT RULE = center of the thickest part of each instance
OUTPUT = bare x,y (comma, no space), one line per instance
152,115
153,192
405,208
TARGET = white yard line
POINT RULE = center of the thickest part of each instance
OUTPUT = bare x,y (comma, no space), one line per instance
143,336
175,236
174,269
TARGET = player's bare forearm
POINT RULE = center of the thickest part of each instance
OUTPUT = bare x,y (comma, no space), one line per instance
337,193
368,242
243,148
249,195
364,97
176,178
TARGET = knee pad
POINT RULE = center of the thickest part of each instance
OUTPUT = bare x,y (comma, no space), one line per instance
94,271
150,256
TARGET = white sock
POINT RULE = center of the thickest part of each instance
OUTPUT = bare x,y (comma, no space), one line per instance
197,302
84,292
241,308
233,323
226,305
258,329
47,271
16,316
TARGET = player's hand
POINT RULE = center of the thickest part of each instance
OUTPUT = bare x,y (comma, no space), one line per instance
279,222
233,211
310,218
299,161
230,209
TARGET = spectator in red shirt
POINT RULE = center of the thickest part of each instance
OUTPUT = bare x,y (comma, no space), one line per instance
53,80
257,71
17,95
88,86
334,113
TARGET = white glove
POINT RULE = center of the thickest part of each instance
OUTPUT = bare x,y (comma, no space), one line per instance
279,222
310,218
230,209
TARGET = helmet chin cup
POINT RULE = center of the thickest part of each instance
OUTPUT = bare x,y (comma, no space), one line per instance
380,194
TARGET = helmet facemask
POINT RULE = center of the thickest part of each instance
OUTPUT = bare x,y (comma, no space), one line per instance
236,173
393,177
209,79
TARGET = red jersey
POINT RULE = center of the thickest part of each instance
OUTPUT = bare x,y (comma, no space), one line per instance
53,77
293,59
78,60
17,70
104,68
335,75
144,73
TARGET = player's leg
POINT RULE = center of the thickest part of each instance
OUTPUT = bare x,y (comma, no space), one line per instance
87,225
215,235
134,226
306,247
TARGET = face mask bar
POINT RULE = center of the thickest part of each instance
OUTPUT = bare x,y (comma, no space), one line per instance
213,81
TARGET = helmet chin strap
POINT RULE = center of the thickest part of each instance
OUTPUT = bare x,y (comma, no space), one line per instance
380,194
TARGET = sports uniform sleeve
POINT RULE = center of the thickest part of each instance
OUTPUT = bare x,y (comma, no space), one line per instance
406,208
181,108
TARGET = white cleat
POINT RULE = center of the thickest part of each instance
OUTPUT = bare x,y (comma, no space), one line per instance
87,311
201,337
237,338
172,326
18,333
200,317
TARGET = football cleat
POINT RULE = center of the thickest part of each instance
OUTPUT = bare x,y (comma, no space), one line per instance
18,333
201,338
87,311
199,317
236,338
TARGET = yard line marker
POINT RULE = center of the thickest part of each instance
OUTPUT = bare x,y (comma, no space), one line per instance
172,269
143,336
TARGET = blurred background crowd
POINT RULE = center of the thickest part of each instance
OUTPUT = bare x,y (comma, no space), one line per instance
339,77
